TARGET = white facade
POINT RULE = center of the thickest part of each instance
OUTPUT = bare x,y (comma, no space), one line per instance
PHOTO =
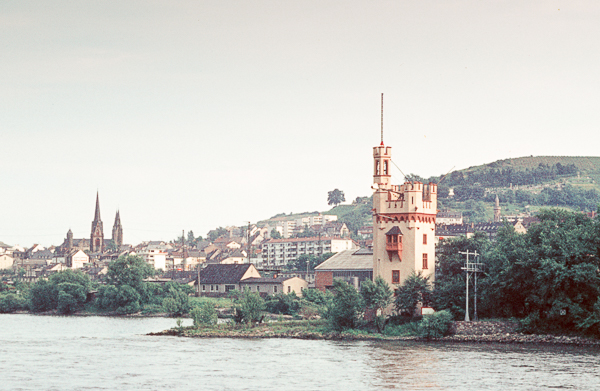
157,258
6,261
278,252
403,224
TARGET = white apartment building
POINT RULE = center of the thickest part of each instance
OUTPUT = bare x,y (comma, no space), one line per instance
288,227
278,252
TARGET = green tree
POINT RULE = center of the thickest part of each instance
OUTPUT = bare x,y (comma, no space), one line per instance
204,314
416,289
275,234
377,296
129,270
345,308
71,297
10,302
335,197
249,308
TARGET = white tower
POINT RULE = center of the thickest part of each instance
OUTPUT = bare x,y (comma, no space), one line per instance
403,224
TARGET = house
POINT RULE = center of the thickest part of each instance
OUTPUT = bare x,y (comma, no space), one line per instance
6,262
274,285
449,218
217,280
76,258
352,266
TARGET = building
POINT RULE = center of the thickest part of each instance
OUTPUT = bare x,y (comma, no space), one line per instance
266,286
117,231
352,266
277,253
76,259
497,210
6,262
217,280
97,235
449,218
403,223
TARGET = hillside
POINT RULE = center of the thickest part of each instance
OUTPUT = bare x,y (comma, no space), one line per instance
523,185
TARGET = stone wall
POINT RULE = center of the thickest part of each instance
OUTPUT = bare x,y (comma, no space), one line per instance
485,328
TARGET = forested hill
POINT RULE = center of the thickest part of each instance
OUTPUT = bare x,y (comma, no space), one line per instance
525,171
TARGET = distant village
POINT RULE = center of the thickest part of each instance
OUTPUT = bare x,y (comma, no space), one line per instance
257,257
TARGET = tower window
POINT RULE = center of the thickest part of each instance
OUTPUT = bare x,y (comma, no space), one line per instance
385,167
377,167
424,261
395,276
424,238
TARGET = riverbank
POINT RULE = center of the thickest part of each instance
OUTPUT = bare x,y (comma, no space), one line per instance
503,332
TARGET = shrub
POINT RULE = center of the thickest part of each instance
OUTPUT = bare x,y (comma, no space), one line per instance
249,308
436,325
316,296
343,312
286,304
204,314
9,302
128,300
402,330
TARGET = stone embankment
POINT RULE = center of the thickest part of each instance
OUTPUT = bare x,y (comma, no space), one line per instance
469,332
506,332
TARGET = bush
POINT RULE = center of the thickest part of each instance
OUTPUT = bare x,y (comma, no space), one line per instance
402,330
176,301
71,297
436,325
343,312
128,300
204,314
316,296
107,297
9,302
249,308
286,304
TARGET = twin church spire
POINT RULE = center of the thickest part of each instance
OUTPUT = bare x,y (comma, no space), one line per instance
97,235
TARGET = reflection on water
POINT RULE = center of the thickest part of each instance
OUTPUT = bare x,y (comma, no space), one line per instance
101,353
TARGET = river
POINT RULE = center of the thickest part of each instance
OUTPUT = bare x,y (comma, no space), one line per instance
104,353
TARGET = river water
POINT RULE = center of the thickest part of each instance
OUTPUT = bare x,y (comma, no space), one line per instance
103,353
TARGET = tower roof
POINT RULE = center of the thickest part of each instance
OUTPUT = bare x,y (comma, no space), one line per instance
117,219
97,213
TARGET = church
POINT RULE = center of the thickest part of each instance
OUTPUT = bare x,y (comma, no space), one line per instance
96,242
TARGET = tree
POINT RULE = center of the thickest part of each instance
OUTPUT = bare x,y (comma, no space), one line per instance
44,294
129,270
345,308
300,263
204,314
416,289
275,234
249,308
376,296
335,197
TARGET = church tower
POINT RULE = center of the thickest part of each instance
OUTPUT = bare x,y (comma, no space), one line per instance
117,231
69,240
497,210
97,236
403,224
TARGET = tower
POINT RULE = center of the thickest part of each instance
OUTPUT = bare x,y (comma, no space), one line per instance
403,223
117,231
69,240
497,210
97,235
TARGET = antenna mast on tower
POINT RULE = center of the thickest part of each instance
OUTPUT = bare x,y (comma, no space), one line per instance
382,118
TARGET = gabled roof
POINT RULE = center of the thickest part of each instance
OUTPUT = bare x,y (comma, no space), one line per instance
223,274
349,260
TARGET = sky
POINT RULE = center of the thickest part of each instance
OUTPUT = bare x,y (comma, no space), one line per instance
189,115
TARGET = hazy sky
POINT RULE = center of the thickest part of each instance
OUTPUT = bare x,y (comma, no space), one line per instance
192,115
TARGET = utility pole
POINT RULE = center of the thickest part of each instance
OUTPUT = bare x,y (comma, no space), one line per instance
472,269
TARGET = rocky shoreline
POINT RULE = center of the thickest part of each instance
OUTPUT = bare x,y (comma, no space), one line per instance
476,332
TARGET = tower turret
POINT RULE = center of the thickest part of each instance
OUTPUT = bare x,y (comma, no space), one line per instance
497,210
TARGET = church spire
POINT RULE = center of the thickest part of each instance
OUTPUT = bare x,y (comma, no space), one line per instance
117,231
97,235
97,213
